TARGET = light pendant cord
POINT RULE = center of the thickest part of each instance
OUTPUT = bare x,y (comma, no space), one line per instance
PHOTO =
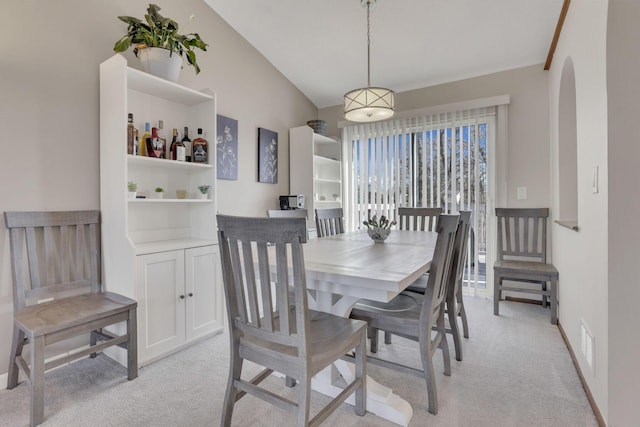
368,47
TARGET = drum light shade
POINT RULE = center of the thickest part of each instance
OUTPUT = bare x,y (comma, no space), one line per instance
369,104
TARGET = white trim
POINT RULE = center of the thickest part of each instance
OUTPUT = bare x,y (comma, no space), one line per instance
446,108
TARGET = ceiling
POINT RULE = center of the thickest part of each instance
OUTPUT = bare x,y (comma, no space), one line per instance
321,45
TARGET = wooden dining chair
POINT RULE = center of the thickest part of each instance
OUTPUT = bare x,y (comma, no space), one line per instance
423,219
329,222
454,302
417,316
419,219
522,256
261,259
57,294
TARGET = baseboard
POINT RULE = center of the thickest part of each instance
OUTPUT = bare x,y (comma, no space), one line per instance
525,300
592,401
3,381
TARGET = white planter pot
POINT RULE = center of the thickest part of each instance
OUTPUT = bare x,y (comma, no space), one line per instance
201,196
158,195
132,194
157,61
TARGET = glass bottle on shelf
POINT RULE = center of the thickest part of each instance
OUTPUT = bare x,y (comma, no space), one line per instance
142,151
200,148
177,147
155,148
131,135
162,139
187,145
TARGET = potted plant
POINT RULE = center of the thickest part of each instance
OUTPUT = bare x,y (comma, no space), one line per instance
132,187
157,42
159,192
204,189
380,229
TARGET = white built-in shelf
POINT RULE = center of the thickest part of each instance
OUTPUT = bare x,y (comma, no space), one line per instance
326,160
328,181
164,163
146,83
170,245
321,139
152,200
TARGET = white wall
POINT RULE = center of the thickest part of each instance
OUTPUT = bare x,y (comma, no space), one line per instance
50,52
623,63
581,257
527,155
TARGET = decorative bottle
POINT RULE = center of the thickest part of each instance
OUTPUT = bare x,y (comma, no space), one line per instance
187,145
131,135
154,145
143,141
163,140
200,148
177,147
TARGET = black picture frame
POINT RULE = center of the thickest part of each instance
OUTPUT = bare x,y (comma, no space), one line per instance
226,148
267,156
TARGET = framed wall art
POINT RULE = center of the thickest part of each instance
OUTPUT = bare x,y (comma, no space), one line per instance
267,156
227,148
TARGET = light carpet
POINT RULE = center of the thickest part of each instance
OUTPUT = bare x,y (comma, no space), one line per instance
516,372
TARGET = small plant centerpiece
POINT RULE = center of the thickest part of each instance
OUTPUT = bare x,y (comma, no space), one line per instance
159,192
157,38
131,188
204,189
380,229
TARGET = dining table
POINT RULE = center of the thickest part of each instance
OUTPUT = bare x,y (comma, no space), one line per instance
344,268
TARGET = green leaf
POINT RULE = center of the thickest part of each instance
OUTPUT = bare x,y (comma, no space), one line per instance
122,44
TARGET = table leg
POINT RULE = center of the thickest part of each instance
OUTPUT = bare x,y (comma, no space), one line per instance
381,400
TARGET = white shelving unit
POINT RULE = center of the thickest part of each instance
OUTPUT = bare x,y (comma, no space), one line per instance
161,252
315,170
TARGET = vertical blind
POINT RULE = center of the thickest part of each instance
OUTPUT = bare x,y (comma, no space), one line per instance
432,160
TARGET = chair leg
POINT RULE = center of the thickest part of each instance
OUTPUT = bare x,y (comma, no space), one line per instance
132,345
289,381
16,350
387,337
554,301
544,297
361,375
496,294
453,325
304,400
36,382
429,375
373,336
93,340
235,370
462,313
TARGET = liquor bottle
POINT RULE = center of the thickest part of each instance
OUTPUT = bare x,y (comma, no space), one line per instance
154,145
200,148
136,144
187,145
177,147
162,139
143,141
130,135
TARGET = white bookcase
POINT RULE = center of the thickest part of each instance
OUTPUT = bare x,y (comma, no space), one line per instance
315,170
161,252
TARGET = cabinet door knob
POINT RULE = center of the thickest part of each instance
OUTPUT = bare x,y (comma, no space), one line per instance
190,294
181,296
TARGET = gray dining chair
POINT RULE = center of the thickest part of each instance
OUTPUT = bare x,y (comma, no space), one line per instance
522,256
329,222
454,301
416,316
419,219
287,213
262,258
58,294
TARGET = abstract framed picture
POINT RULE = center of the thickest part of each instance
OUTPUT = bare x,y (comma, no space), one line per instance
267,156
226,148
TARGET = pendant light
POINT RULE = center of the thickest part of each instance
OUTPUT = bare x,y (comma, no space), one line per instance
369,104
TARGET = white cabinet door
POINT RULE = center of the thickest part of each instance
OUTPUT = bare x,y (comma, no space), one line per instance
204,302
160,291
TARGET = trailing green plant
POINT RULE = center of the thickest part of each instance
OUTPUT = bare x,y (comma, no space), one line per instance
159,190
204,188
384,222
158,31
132,186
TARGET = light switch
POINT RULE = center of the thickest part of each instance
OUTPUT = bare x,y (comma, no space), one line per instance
521,193
595,186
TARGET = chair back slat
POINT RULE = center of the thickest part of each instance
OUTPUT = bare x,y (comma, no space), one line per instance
522,233
419,219
460,250
287,213
258,302
440,265
329,222
55,254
